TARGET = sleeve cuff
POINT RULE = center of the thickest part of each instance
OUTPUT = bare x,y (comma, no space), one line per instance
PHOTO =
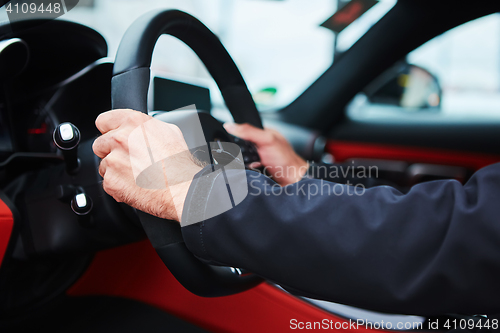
214,190
194,209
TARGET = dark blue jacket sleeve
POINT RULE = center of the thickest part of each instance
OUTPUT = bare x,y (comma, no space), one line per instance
433,250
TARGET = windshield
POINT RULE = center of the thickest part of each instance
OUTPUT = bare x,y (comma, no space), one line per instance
279,46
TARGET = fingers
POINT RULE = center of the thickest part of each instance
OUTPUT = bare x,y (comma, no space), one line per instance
109,160
248,132
110,120
102,167
104,144
100,147
110,124
116,163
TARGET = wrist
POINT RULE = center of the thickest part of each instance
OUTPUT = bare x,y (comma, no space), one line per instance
179,193
297,171
178,198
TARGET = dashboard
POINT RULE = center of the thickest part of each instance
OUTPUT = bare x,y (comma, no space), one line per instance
36,98
65,78
5,141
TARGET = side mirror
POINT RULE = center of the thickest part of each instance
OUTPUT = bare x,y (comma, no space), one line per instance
408,86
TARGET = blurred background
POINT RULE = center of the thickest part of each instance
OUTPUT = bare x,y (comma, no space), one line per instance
281,48
278,45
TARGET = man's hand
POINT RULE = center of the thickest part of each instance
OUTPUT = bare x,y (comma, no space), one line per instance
276,154
145,162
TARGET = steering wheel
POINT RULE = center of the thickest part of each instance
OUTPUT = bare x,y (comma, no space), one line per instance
129,89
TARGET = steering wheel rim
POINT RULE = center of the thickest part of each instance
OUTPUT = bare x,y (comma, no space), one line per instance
131,70
129,89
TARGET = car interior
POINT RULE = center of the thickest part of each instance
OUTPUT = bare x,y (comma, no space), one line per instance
100,266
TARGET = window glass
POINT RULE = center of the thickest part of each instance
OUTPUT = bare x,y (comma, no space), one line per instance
453,76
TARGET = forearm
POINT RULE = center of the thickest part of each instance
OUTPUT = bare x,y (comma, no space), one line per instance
381,250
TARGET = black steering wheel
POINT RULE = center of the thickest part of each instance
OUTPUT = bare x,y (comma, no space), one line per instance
130,84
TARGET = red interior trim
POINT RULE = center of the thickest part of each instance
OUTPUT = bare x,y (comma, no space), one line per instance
6,225
343,150
136,272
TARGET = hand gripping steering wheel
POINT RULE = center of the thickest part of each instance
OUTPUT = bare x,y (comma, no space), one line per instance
130,84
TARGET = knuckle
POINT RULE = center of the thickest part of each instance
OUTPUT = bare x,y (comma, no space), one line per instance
129,118
102,168
95,145
98,147
176,129
98,120
269,137
111,162
136,117
275,135
245,127
120,138
108,164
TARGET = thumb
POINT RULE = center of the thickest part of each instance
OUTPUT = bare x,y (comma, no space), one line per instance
247,132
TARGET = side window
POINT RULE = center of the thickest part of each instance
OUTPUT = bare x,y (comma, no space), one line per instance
453,76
